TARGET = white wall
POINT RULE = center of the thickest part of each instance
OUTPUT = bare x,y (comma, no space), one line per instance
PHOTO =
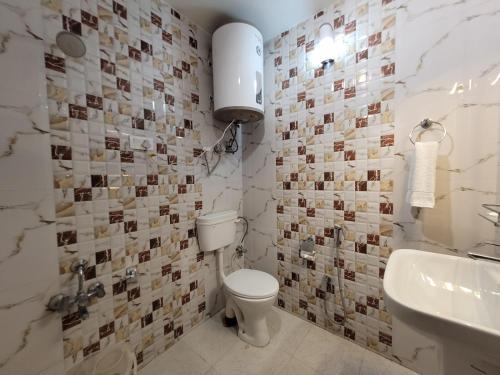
31,337
440,43
259,169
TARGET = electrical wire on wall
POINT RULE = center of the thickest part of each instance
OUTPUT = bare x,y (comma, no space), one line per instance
207,164
244,234
230,146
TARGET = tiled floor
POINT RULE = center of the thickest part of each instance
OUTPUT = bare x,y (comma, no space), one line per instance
296,347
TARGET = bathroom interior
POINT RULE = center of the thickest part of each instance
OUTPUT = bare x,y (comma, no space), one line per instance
222,187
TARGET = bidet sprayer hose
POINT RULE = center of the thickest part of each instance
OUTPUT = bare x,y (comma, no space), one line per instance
337,232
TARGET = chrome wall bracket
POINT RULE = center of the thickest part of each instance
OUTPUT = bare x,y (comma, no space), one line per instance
130,275
306,249
493,215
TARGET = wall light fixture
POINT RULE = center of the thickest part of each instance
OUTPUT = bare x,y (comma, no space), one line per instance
326,46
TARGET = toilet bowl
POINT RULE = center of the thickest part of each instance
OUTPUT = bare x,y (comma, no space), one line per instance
250,294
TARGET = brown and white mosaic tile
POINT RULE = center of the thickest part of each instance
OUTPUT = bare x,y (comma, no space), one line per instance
333,152
146,73
339,139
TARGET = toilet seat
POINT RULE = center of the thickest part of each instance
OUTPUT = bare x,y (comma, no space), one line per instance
251,284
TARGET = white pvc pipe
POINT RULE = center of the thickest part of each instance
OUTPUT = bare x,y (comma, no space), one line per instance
219,255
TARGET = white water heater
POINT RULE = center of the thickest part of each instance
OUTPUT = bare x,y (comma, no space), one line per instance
238,70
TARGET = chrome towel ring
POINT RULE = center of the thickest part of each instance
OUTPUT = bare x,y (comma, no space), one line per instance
426,124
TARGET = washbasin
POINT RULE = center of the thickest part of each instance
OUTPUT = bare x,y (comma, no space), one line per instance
454,301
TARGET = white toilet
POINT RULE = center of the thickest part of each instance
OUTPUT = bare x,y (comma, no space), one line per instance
250,294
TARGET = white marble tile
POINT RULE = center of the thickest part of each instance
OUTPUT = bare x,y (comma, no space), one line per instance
29,249
297,367
296,347
57,369
259,176
245,359
286,331
20,64
373,364
319,349
24,138
31,336
413,349
446,71
441,77
178,360
21,56
26,150
21,17
212,371
262,250
392,368
211,340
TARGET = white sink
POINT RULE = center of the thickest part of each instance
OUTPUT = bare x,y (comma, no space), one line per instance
455,301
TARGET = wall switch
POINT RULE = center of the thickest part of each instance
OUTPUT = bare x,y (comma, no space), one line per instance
141,143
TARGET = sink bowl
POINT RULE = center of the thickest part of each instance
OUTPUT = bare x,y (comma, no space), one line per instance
454,301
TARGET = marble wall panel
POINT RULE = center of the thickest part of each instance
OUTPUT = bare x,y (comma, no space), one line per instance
31,337
259,171
447,71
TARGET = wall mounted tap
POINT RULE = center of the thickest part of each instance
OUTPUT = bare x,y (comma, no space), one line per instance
130,275
96,290
81,299
63,303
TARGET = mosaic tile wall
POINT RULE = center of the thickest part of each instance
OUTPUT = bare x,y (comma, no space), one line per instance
334,138
146,73
359,156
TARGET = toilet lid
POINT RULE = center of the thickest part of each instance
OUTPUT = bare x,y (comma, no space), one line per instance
251,284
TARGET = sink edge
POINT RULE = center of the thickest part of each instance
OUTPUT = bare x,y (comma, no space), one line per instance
435,325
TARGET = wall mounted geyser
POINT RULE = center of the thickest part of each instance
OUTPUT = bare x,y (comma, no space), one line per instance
238,71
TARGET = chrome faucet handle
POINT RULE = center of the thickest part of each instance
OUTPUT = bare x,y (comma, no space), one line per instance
130,275
81,299
96,290
59,302
78,267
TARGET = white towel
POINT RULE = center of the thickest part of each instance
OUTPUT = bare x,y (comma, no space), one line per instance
422,179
